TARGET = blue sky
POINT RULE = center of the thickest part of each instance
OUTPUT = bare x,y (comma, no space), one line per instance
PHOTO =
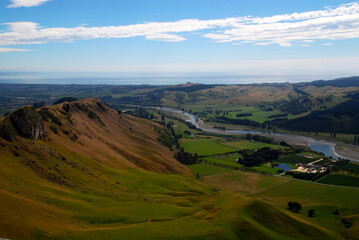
255,41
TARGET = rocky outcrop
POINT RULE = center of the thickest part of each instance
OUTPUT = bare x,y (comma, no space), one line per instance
28,123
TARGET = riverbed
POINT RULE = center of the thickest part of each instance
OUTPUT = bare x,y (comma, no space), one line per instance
326,147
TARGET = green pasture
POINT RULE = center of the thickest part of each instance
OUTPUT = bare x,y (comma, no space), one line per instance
211,146
352,167
265,167
229,162
323,199
221,161
206,170
258,115
206,147
340,179
294,159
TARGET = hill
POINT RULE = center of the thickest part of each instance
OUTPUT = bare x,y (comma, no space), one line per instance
82,170
92,129
339,82
342,118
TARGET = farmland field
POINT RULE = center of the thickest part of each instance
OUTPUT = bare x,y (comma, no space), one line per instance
294,159
352,167
258,114
206,146
211,146
206,170
221,162
266,168
339,179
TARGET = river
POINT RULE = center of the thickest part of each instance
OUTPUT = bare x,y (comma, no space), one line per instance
326,147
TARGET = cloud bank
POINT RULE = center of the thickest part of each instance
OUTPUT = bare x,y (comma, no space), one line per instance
26,3
285,30
2,50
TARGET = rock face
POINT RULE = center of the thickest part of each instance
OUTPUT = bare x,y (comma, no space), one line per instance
28,123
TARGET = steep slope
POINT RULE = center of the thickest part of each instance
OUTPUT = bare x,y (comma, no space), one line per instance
93,130
84,171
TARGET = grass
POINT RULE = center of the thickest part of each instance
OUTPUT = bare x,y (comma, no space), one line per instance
257,114
340,179
205,147
266,168
206,170
352,167
279,192
229,162
108,200
245,144
312,195
177,229
244,182
340,137
294,159
316,197
140,196
211,146
221,161
259,220
180,127
144,205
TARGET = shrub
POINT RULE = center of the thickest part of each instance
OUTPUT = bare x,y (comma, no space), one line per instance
294,207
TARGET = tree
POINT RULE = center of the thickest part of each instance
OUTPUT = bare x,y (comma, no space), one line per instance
311,213
197,175
294,207
346,223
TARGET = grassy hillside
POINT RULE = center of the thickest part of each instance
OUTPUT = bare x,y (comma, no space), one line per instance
96,174
279,191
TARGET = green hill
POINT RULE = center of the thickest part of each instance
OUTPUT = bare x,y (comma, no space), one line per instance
81,170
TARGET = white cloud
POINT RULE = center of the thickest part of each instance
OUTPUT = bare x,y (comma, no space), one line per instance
26,3
284,30
2,50
328,44
165,37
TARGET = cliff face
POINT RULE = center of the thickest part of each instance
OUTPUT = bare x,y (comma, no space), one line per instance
28,123
25,122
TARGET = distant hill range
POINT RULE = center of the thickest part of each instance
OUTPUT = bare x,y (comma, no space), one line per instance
324,105
339,82
342,118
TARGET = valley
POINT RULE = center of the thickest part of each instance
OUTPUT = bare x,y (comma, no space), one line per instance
97,169
179,120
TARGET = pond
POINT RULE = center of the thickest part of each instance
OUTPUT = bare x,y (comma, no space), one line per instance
284,167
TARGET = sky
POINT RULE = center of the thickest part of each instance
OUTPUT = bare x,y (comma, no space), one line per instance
171,41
